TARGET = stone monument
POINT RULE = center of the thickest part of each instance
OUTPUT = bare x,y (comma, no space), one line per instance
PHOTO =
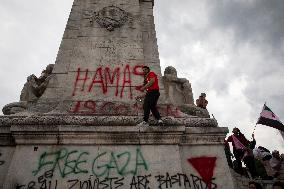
74,127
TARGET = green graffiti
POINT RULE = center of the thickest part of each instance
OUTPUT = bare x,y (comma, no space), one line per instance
138,162
99,166
123,171
62,161
123,168
76,162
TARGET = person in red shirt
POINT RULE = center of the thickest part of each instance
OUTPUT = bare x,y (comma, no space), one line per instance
243,154
201,101
151,86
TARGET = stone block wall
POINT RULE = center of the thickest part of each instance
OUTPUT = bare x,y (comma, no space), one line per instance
87,157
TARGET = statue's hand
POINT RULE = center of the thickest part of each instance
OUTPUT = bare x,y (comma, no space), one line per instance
31,77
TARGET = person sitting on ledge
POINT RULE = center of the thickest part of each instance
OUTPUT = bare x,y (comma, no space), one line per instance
201,102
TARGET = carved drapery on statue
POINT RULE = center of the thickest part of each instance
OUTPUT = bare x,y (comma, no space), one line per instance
177,90
32,90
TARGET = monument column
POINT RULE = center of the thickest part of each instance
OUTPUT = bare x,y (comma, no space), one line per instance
99,63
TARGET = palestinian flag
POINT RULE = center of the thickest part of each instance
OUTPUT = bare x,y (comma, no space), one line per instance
268,118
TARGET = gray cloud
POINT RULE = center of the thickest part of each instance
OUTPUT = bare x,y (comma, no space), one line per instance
258,21
233,50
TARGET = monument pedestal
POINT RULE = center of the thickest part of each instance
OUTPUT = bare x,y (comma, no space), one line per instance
81,152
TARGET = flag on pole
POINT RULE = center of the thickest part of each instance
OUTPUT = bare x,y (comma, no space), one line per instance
268,118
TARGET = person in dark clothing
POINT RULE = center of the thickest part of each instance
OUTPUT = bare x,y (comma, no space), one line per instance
201,102
151,85
249,158
242,153
228,154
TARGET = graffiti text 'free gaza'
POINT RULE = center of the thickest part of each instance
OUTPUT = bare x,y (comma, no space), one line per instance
68,162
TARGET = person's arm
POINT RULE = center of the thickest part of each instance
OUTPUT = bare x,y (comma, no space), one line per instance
206,103
229,139
197,102
149,84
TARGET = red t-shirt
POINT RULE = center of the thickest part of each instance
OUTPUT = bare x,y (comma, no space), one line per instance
155,85
241,138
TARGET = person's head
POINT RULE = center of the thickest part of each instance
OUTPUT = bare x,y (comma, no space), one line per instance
278,185
254,185
236,130
276,154
146,69
203,95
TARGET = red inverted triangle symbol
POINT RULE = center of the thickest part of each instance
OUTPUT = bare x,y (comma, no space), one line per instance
205,167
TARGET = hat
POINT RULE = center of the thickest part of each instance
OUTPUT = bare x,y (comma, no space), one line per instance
147,67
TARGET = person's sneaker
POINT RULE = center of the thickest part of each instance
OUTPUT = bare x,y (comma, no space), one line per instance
160,122
143,123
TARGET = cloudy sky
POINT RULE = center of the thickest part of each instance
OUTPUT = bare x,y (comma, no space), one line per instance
231,49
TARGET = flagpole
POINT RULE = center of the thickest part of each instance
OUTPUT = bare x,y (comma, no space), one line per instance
253,130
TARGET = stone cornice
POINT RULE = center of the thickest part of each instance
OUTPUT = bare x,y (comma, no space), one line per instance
98,135
95,130
65,119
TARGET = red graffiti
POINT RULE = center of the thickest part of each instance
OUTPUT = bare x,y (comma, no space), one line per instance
104,76
100,108
172,111
205,167
114,108
111,78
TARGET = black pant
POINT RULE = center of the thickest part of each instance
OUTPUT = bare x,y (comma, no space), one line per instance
150,103
238,162
250,164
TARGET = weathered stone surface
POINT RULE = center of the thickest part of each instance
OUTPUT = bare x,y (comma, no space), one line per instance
6,154
94,47
64,119
96,152
101,67
178,90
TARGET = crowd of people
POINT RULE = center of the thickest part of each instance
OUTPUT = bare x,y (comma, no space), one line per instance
259,162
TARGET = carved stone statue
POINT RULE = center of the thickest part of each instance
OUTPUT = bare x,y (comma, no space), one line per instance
177,90
32,90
